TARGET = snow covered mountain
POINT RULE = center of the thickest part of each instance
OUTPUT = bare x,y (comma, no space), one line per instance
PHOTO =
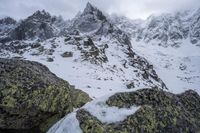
39,26
171,43
6,26
165,29
104,55
90,52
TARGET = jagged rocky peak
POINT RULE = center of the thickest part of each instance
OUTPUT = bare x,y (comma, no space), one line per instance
172,29
40,16
8,21
37,26
94,23
91,20
90,9
165,29
7,24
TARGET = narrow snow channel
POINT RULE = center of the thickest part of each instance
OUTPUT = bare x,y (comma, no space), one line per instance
97,108
106,114
69,124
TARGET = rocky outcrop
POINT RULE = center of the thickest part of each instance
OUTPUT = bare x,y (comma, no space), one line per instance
6,26
8,21
159,111
94,23
32,98
40,25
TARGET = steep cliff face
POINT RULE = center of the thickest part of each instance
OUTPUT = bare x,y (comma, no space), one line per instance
38,26
6,26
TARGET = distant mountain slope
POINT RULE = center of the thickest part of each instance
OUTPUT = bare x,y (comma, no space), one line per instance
165,29
171,43
91,52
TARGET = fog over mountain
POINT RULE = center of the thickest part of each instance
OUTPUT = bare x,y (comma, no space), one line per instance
131,8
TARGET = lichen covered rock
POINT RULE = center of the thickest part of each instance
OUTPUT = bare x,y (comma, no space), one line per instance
159,111
33,97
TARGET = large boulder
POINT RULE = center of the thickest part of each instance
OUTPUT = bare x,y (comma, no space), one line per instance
159,111
32,98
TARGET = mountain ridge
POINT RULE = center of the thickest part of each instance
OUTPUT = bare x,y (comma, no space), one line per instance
167,29
103,46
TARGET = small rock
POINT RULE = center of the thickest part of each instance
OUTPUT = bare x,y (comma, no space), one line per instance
67,54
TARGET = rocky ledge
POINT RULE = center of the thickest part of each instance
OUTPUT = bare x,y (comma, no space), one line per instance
159,111
32,98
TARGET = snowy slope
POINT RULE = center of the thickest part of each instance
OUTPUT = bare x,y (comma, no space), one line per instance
179,67
98,60
95,79
171,43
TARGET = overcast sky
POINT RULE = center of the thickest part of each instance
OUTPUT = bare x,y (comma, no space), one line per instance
68,8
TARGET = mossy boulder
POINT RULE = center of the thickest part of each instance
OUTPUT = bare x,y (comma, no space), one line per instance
159,111
89,123
31,97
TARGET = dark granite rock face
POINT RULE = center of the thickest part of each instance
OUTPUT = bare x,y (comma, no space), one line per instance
6,26
8,21
37,26
31,97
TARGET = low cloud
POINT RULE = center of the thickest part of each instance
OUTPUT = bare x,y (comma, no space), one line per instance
20,9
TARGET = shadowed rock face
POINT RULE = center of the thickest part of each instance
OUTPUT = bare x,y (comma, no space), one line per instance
159,111
7,21
32,98
6,26
39,25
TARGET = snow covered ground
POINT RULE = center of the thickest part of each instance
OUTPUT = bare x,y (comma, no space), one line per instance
97,108
96,80
178,67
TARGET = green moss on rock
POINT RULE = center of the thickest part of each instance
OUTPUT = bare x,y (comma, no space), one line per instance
159,111
31,96
89,123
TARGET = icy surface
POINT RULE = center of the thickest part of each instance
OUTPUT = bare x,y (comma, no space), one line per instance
69,124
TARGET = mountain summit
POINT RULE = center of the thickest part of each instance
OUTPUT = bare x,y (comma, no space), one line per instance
37,26
90,9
